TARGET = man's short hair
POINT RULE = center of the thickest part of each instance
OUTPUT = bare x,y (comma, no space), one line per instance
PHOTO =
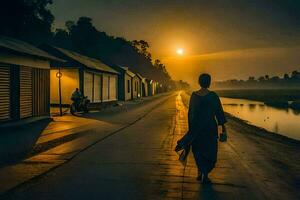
204,80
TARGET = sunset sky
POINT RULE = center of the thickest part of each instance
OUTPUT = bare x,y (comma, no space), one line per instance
227,38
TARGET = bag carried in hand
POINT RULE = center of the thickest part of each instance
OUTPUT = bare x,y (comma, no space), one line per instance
183,147
183,155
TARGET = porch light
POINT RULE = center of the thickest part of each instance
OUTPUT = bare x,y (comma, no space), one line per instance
58,74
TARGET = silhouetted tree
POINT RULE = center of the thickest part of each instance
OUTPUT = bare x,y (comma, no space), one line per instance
261,79
233,81
62,38
28,20
286,77
267,77
142,47
31,20
251,78
160,66
83,37
295,75
275,81
69,25
275,78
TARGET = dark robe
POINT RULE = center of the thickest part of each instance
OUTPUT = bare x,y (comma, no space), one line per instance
205,114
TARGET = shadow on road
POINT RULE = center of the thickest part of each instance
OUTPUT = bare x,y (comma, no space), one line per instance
207,192
17,142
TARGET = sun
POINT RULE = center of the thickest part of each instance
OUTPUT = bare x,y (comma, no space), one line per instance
180,51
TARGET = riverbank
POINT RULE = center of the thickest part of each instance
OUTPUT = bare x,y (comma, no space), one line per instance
278,154
251,129
279,150
247,128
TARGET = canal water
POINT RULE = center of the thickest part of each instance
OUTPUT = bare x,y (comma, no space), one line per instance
282,121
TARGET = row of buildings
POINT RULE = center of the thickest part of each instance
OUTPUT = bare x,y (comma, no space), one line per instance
29,80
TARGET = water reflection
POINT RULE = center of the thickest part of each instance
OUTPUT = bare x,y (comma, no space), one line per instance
252,107
282,121
261,107
276,128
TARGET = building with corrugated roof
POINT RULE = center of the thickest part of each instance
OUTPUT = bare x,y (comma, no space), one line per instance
24,80
152,87
143,86
125,82
95,79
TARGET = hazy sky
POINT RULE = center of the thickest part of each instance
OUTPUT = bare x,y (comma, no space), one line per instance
227,38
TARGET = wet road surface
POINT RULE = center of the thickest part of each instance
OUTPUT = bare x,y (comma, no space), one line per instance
138,162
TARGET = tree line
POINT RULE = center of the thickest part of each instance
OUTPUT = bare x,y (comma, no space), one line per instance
286,80
32,21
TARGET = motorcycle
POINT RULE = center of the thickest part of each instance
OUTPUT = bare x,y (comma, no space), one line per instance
79,106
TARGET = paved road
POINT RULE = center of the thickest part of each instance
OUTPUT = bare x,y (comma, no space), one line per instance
138,162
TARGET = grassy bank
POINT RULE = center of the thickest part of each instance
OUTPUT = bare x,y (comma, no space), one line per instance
250,129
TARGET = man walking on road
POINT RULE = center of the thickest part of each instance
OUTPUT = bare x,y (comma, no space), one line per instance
204,115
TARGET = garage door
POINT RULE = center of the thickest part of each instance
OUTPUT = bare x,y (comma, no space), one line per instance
112,88
97,88
25,92
40,91
4,93
88,85
105,87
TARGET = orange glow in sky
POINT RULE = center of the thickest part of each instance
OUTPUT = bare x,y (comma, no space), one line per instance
193,37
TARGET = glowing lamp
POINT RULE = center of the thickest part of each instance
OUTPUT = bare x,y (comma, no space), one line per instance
58,75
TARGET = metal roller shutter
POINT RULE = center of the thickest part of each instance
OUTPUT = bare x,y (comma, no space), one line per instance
97,88
113,88
40,92
4,93
88,86
25,92
105,87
